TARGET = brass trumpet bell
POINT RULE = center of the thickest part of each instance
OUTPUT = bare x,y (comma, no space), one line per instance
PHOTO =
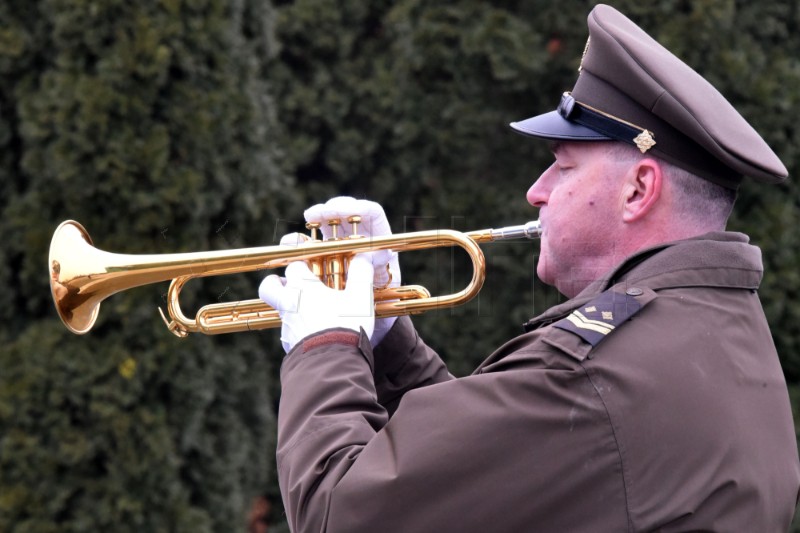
82,276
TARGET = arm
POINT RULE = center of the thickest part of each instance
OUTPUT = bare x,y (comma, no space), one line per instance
503,451
404,362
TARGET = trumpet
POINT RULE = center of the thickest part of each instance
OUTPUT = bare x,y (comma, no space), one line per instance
82,276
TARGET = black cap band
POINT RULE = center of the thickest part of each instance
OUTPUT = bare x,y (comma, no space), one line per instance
607,124
672,145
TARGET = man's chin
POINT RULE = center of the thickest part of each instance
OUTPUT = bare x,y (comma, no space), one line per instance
544,272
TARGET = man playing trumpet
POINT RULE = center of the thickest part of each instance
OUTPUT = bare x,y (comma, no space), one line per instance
652,400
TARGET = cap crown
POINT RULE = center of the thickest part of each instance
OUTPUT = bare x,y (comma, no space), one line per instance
627,73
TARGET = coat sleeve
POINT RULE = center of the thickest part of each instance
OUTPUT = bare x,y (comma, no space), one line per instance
491,452
404,362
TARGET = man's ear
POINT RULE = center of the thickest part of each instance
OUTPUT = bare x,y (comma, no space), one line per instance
642,189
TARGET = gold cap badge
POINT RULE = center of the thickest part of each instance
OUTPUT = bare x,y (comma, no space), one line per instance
644,141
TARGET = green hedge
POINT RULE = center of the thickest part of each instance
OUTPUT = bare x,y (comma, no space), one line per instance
153,125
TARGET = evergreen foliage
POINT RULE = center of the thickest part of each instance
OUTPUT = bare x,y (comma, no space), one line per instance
180,125
150,123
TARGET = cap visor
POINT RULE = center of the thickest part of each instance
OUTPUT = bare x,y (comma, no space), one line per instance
553,126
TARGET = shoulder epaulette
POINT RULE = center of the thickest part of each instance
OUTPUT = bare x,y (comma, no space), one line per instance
597,318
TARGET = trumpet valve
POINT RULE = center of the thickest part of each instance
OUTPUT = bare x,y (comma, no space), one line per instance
334,223
355,220
336,271
313,227
315,264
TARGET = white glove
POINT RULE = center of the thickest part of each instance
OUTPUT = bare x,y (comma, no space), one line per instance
307,306
373,224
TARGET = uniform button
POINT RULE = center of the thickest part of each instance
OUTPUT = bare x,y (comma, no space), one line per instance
634,291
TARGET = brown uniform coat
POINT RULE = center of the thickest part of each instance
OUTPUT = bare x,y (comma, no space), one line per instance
652,401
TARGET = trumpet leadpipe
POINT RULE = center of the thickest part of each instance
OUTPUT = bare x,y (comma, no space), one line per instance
529,230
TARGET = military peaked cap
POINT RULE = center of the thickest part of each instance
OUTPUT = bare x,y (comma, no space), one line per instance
632,89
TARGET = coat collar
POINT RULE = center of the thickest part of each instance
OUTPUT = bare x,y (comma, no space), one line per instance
717,259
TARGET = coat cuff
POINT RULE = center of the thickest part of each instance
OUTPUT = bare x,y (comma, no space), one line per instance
327,341
326,337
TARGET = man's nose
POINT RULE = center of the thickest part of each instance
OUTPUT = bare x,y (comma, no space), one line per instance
539,193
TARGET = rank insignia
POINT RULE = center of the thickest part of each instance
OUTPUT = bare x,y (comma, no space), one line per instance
600,317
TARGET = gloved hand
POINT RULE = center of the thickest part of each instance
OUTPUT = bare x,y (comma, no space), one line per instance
373,224
307,306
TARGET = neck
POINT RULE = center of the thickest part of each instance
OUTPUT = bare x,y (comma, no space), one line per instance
628,242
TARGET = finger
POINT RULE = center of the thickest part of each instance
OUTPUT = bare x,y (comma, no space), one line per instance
394,270
374,219
298,273
337,207
314,213
359,297
298,278
294,239
341,206
387,267
378,258
387,271
271,290
360,271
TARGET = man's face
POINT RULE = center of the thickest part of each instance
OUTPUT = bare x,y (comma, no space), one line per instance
580,204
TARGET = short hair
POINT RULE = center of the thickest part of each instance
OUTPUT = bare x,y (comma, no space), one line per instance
698,200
